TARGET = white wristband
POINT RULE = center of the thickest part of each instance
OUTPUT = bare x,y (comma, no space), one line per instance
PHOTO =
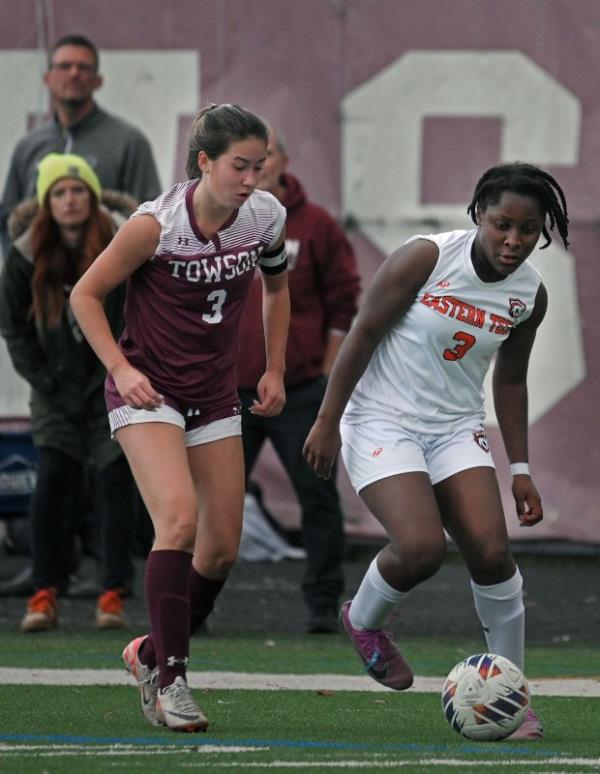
519,468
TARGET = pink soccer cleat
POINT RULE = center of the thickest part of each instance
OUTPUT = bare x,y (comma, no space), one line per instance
382,659
530,728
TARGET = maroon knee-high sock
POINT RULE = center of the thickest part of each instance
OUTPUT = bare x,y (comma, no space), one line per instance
167,594
203,592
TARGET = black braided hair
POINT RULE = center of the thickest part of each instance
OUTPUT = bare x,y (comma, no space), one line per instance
527,180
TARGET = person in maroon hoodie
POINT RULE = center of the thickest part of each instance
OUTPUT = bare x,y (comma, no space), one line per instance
324,286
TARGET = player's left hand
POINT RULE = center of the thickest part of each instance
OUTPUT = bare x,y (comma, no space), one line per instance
527,500
271,395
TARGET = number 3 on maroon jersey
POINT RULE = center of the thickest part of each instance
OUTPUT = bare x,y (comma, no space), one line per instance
216,315
460,350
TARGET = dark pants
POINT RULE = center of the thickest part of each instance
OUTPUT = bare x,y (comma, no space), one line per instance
322,519
56,505
55,509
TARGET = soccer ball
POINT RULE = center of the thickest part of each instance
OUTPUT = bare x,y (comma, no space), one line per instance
485,697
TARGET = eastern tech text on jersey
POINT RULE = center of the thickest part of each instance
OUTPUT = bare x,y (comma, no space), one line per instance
467,313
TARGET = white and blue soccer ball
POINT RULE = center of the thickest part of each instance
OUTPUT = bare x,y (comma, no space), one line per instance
485,697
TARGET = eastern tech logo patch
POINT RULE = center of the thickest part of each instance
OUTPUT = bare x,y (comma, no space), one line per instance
481,440
516,308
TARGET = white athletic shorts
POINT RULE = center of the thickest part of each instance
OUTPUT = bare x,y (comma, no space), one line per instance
213,431
378,448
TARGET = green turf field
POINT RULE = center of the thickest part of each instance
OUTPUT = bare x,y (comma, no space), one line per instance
100,728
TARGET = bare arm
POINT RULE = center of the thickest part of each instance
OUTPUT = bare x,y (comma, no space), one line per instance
276,320
335,339
392,292
511,404
134,243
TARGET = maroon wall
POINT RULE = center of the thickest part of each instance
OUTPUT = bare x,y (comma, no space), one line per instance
295,62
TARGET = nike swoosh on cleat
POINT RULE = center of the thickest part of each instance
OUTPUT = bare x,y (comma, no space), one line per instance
378,674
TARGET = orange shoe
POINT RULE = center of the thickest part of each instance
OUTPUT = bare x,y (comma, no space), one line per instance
110,612
42,612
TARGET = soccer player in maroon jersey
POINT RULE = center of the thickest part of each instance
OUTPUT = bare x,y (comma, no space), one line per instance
171,389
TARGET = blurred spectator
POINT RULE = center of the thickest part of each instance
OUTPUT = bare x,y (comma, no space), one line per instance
56,238
119,154
324,287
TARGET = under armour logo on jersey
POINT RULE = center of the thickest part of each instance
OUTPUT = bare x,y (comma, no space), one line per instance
237,410
193,412
443,284
173,661
183,241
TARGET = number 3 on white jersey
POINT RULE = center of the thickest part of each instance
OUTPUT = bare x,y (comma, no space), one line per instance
466,341
218,296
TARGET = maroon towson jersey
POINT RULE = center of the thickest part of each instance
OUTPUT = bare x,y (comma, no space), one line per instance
184,305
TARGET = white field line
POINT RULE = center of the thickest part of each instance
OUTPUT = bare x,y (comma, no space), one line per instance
276,682
542,765
95,750
528,764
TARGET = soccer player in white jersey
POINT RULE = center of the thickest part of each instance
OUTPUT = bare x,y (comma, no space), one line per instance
171,390
405,402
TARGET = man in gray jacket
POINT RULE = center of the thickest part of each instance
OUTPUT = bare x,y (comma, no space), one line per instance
119,154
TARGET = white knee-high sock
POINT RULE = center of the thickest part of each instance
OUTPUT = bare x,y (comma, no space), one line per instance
502,615
374,600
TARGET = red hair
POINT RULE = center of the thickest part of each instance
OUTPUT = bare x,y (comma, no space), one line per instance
53,264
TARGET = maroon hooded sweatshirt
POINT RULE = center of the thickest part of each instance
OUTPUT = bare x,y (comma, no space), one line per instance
324,287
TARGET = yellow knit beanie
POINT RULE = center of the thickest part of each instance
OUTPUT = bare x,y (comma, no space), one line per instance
56,166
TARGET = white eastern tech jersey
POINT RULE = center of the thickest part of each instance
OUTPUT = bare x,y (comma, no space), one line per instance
428,370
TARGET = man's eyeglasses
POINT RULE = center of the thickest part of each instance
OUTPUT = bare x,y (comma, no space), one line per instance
64,67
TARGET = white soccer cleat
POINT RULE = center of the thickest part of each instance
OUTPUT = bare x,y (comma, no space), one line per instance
146,679
176,709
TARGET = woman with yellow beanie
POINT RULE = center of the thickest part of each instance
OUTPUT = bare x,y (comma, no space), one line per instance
56,237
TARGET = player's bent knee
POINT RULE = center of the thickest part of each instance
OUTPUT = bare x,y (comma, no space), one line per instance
491,566
421,560
425,566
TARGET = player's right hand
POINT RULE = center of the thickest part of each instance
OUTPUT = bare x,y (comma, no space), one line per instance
321,448
135,388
